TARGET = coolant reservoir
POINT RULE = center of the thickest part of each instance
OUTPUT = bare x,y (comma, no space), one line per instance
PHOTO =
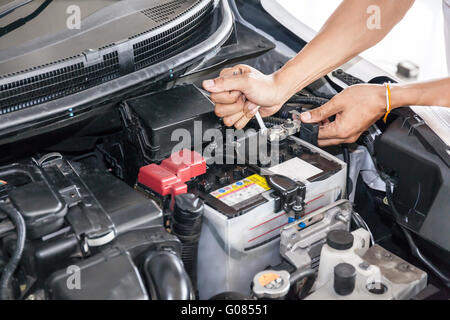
362,273
342,246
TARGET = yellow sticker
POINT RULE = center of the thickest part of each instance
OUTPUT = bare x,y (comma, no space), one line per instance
260,181
242,190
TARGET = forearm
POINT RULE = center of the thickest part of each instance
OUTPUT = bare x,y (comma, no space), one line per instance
362,105
343,36
431,93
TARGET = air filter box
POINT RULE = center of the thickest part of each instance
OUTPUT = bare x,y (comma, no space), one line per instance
150,120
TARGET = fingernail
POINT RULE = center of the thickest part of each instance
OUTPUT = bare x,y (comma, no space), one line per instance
255,110
208,84
306,116
251,107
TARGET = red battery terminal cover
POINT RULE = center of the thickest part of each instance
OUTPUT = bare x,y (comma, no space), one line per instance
171,175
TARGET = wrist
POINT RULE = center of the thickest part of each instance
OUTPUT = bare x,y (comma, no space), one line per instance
382,98
281,91
401,96
287,84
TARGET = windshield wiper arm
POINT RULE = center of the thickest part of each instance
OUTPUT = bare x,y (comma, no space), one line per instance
17,6
20,22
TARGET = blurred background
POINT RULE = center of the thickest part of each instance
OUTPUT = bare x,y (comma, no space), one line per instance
418,38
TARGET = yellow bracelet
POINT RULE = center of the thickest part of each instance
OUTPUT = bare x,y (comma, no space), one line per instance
388,101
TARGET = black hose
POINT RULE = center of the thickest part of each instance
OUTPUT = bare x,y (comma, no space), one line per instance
270,121
310,274
12,264
349,183
187,221
285,112
414,249
274,120
315,101
167,278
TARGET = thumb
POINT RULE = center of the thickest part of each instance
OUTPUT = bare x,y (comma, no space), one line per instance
320,114
236,83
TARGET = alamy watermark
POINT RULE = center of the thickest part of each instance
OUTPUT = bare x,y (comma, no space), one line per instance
73,21
374,20
225,147
74,277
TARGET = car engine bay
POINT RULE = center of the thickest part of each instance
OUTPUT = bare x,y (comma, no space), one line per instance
146,194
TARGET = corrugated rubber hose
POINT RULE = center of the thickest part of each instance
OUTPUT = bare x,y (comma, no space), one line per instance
12,264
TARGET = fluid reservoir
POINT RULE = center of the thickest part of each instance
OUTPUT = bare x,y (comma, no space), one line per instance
341,246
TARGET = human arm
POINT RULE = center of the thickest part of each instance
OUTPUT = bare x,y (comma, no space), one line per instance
344,35
358,107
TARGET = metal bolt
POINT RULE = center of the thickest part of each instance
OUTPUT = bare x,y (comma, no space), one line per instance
364,265
342,218
403,266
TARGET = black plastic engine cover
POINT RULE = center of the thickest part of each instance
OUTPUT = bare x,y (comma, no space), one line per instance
422,191
101,277
117,271
74,209
33,195
150,120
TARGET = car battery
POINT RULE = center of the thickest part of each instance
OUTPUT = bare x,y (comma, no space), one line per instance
243,217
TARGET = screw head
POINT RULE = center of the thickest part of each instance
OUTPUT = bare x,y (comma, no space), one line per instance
403,267
364,265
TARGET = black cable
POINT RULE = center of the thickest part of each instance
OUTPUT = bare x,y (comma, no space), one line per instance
274,120
414,249
357,222
346,154
285,111
12,264
357,219
270,121
315,101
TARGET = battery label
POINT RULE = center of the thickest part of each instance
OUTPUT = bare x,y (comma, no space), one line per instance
242,190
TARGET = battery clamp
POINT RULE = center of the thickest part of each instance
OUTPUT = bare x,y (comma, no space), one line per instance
291,193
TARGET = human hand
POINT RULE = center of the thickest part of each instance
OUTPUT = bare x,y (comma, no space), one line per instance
240,92
356,109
